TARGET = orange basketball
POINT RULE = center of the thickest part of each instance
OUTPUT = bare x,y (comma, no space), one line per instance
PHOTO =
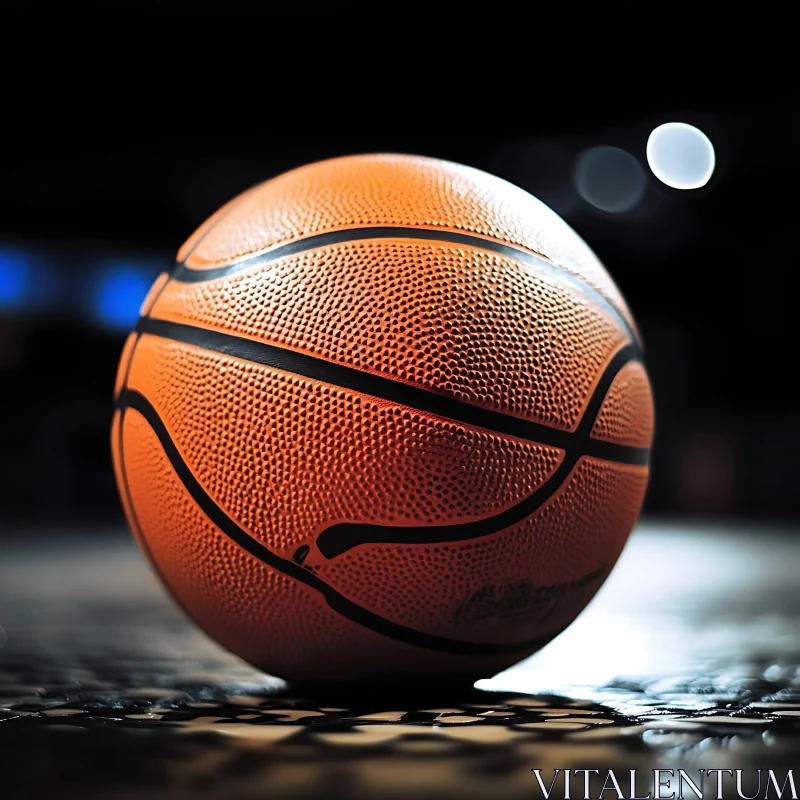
387,416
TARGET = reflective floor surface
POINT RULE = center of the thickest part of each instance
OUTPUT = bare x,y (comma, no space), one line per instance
688,658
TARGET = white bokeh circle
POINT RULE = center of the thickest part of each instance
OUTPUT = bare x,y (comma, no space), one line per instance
680,155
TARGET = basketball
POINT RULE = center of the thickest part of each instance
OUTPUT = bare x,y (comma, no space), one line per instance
388,416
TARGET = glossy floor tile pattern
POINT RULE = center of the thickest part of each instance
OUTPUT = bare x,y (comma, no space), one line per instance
689,657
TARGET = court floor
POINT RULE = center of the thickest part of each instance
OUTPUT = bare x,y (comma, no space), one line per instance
688,658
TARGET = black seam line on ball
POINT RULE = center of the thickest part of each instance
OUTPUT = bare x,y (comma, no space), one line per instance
387,389
131,508
124,474
184,274
133,516
136,525
340,538
132,399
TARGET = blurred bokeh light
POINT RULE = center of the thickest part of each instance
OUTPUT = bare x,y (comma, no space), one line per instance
680,155
118,293
609,178
14,277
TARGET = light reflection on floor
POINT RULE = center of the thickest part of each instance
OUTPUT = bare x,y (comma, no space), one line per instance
680,601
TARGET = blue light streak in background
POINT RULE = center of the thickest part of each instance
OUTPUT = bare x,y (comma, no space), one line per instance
15,274
119,290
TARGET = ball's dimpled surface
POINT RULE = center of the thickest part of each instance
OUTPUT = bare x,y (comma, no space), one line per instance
626,416
471,324
400,190
231,470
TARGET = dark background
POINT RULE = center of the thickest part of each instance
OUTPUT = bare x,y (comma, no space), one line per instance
96,198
